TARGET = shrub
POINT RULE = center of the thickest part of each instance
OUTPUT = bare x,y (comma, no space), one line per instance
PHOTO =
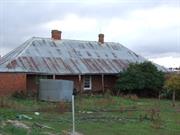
143,79
173,85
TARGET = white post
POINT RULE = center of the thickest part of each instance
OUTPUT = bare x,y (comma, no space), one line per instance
73,118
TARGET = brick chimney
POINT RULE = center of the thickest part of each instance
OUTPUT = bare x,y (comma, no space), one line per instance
101,38
56,34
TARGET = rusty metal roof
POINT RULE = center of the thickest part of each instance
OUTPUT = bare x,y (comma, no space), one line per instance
48,56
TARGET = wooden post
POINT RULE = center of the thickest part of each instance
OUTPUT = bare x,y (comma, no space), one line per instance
103,82
80,84
54,77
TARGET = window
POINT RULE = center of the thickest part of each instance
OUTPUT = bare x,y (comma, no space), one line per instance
87,83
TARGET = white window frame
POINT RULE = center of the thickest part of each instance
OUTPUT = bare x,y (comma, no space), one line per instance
90,83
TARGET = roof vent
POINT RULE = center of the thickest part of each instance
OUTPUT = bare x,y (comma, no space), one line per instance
101,38
56,34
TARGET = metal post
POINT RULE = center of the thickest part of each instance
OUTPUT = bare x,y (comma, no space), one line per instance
73,117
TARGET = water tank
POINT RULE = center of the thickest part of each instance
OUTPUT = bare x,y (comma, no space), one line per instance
55,90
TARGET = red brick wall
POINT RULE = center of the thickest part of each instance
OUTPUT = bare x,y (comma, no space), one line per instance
96,83
109,82
32,85
11,82
73,78
33,82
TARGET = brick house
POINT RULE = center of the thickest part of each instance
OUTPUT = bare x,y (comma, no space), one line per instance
92,65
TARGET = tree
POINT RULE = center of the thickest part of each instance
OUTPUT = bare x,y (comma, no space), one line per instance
140,77
173,84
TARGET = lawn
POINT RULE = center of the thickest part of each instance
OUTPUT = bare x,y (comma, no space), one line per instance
95,115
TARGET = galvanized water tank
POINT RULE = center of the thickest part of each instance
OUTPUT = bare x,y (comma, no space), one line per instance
55,90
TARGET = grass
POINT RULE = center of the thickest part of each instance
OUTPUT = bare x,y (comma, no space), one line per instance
95,115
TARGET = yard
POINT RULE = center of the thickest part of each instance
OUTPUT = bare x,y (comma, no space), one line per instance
95,115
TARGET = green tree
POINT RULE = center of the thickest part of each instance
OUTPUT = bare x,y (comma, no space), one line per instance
140,76
173,84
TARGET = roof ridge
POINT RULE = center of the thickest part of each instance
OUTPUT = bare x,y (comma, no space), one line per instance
74,40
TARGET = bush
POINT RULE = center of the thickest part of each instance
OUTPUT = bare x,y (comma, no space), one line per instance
143,79
172,84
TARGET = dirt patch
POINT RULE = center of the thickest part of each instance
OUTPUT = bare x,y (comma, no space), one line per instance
64,132
2,124
17,124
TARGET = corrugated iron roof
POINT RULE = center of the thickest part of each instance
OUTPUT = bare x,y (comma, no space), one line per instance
45,55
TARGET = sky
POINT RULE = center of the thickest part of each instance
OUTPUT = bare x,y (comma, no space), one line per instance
151,28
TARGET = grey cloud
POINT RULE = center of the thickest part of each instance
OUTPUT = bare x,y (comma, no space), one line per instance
156,42
22,20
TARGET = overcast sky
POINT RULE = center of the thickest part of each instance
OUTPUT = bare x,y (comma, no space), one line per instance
150,28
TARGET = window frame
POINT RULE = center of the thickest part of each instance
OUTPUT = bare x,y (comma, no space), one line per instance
90,82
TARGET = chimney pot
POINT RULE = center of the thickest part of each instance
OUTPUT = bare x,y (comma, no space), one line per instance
56,34
101,38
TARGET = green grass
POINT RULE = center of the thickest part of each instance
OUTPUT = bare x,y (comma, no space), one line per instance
95,115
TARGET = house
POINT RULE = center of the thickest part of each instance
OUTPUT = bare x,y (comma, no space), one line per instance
92,65
175,70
